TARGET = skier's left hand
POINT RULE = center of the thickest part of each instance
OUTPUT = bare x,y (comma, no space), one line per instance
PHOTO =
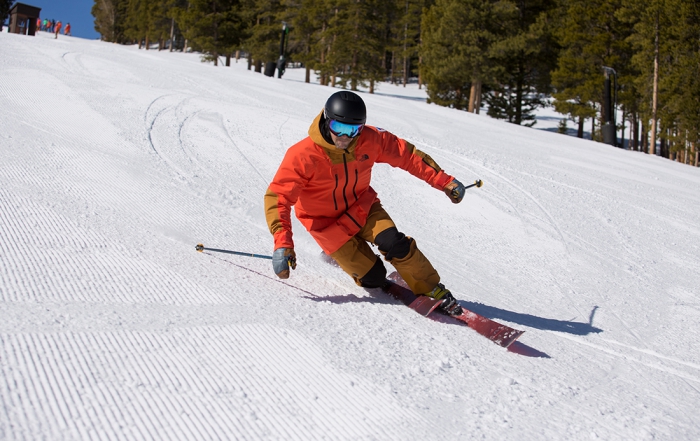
455,191
282,259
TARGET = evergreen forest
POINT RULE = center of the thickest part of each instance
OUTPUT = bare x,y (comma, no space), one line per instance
507,56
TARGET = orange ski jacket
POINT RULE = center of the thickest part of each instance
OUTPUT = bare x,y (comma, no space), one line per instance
329,188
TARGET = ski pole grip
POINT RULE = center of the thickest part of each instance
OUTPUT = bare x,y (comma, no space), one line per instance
477,184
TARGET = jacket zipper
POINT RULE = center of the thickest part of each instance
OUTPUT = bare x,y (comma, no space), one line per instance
354,186
335,201
345,187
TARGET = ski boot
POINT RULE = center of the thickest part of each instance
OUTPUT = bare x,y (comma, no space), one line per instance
449,304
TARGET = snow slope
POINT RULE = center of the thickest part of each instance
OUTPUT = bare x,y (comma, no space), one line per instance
116,162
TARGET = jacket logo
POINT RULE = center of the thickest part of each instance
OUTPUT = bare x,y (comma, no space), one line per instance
363,157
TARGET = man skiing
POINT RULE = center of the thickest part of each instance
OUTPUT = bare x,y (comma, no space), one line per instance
326,177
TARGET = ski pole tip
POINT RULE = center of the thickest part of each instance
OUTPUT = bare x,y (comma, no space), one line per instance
199,247
479,183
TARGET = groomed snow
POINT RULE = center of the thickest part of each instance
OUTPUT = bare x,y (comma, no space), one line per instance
115,162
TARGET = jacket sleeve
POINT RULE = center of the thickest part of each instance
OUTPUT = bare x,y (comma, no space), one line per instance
400,153
282,194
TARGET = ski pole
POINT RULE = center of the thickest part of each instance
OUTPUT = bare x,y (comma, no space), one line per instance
478,184
455,192
201,248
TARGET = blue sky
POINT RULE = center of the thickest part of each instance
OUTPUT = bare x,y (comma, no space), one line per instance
75,12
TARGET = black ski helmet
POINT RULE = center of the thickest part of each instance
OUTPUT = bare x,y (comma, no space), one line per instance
346,107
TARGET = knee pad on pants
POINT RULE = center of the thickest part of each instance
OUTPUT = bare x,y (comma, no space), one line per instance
393,244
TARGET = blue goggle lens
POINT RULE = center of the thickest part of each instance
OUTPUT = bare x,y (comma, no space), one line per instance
342,129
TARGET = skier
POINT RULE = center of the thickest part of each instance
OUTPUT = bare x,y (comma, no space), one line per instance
326,177
58,28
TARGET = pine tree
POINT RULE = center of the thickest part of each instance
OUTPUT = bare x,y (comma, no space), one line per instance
357,38
212,26
591,36
456,38
5,6
524,59
265,20
305,23
407,30
110,19
667,39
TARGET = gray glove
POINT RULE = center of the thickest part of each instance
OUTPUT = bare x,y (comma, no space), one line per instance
282,259
455,191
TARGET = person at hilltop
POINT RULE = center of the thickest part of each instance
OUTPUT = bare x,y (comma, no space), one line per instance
66,31
326,178
58,28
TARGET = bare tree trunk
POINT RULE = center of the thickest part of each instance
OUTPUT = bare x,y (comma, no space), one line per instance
474,97
392,75
172,34
324,78
477,105
664,150
655,91
579,133
307,75
624,126
420,77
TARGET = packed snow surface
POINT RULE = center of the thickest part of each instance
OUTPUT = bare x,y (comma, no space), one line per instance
115,162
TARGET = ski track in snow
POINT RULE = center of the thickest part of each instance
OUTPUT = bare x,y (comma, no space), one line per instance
113,327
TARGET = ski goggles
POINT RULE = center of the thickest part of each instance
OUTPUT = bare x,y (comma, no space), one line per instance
342,129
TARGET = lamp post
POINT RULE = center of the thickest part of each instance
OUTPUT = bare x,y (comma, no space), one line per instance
283,46
610,105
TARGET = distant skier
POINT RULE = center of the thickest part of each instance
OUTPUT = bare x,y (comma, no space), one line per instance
326,177
58,28
66,31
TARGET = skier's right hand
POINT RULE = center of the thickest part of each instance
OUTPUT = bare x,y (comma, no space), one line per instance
282,259
455,191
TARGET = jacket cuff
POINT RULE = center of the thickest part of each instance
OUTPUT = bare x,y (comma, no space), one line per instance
283,239
441,180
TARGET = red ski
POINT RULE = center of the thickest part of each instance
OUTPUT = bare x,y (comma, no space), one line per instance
500,334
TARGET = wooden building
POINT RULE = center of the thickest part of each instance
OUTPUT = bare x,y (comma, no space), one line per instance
23,19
